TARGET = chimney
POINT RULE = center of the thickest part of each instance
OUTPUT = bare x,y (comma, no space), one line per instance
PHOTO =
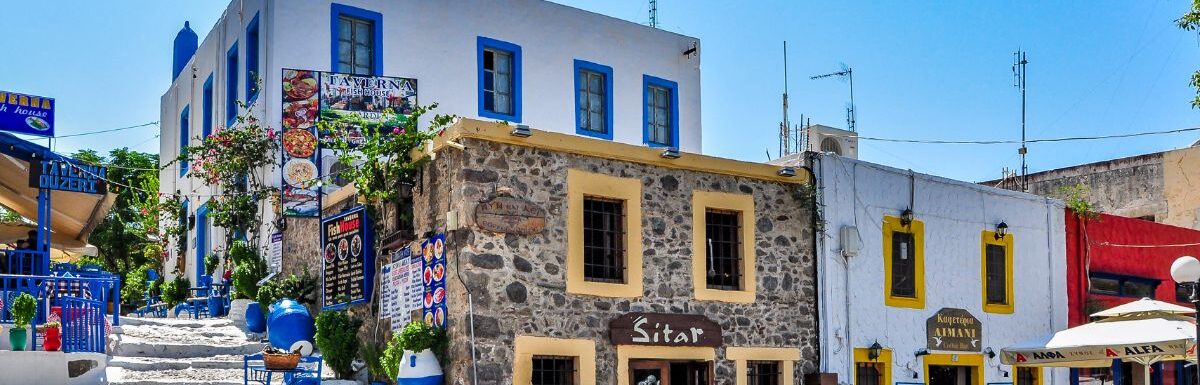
185,46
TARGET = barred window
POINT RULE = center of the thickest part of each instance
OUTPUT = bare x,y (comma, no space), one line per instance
997,272
603,240
762,372
1027,376
868,373
723,230
904,267
553,370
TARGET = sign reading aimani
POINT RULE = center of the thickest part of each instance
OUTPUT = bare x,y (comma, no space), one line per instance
507,214
664,330
64,176
954,329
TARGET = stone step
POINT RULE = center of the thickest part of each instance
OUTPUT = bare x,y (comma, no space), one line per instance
156,363
176,322
190,376
183,350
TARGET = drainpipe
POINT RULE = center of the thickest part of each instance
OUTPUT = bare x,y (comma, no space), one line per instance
815,216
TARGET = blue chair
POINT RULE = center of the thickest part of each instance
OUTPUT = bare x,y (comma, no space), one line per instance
199,300
307,372
154,303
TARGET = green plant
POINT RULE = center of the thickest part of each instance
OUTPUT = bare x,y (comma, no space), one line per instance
133,291
248,269
211,261
372,354
416,336
23,308
1076,199
383,155
337,337
302,289
176,291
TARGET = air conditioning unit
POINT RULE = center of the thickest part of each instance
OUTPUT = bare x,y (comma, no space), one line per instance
834,140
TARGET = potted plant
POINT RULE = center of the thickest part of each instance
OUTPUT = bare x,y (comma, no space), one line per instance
413,354
51,337
23,308
337,338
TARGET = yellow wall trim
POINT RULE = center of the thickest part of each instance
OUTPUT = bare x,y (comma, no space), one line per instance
580,145
744,204
885,361
917,228
581,184
785,356
525,347
973,360
633,352
989,238
1037,374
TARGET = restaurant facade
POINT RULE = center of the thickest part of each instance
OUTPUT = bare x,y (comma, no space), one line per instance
581,261
924,279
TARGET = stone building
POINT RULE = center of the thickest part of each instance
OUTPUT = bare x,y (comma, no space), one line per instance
1157,187
617,249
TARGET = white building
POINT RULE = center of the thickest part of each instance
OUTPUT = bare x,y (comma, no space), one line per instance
907,261
535,52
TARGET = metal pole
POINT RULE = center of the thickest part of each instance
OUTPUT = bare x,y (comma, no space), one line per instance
1195,298
853,108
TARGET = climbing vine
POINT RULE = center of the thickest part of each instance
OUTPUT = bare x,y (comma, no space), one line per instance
1076,199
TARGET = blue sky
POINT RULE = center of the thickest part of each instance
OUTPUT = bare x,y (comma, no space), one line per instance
922,70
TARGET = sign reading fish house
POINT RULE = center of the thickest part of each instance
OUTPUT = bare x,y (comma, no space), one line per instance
26,114
348,258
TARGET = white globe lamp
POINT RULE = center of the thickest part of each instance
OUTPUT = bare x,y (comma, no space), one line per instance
1186,269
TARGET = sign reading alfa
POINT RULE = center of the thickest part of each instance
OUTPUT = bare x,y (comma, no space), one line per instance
506,214
63,176
664,329
954,329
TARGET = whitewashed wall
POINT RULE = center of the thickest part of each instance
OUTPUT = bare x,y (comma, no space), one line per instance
857,193
435,42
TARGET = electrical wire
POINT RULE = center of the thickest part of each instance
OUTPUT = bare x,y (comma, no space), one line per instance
155,123
1011,141
1110,244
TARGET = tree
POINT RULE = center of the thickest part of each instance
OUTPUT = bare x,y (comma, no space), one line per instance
122,236
1190,21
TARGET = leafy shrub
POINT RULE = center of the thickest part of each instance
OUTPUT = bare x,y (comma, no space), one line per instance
176,291
372,354
416,336
211,261
133,292
249,268
23,308
337,337
301,289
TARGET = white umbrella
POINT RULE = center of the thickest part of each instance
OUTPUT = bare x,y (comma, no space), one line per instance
1144,306
1145,338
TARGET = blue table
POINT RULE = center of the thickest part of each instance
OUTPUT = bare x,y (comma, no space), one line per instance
307,372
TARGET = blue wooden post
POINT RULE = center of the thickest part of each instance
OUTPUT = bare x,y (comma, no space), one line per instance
1116,372
1074,376
116,316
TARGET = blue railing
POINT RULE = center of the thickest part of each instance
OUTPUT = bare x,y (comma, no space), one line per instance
82,325
24,262
78,298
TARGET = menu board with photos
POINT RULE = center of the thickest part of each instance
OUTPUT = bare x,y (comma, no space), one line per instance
347,258
301,90
433,276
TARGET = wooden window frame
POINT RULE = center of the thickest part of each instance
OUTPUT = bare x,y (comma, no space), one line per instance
580,184
702,201
987,238
892,225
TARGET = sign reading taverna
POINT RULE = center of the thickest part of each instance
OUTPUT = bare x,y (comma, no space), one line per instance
954,329
26,114
65,176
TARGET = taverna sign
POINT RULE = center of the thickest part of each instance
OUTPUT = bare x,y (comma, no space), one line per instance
954,329
65,176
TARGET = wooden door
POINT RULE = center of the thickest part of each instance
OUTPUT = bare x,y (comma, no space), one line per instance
649,373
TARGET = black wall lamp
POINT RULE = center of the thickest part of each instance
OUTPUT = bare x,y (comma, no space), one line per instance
921,352
988,351
906,217
874,351
1001,231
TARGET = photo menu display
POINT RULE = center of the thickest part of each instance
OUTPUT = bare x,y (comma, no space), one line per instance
347,258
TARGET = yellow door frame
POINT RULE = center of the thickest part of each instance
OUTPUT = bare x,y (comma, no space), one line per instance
974,360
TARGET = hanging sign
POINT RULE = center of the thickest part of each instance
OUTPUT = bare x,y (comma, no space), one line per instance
433,276
347,259
507,214
664,330
954,329
26,114
66,176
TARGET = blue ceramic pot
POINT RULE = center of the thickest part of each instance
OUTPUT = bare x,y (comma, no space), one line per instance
256,321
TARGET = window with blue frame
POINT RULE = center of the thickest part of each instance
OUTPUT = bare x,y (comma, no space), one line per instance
231,85
183,137
252,72
357,40
660,122
1122,285
593,99
206,121
499,79
202,241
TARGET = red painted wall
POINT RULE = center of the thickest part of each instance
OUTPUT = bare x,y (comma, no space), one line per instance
1087,251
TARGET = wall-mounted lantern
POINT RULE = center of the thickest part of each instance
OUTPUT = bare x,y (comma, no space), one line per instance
1001,231
906,217
874,351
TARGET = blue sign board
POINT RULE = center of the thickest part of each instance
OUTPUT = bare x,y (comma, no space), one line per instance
347,258
26,114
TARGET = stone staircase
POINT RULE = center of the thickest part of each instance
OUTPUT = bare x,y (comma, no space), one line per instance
156,351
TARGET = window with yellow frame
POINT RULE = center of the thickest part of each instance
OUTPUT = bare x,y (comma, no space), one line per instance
579,353
903,263
604,190
1028,376
996,271
723,257
868,371
748,360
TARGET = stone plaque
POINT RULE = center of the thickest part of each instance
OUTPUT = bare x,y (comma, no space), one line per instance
664,330
507,214
954,329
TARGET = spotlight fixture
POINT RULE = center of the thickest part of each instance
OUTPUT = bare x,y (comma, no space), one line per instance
921,352
1001,230
786,171
521,131
1005,373
874,350
989,353
906,217
670,153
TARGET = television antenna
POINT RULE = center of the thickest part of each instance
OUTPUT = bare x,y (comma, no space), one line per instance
791,139
653,13
1018,69
846,74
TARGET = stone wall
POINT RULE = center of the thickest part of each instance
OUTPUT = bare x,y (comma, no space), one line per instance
1130,187
518,283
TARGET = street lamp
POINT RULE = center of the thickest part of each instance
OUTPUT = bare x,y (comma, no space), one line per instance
1186,271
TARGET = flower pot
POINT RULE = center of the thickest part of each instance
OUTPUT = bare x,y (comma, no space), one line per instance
16,338
256,321
419,369
52,339
237,312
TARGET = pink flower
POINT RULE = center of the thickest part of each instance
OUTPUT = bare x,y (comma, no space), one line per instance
271,134
397,130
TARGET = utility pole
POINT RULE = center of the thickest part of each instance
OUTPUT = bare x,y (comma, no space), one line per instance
1018,68
784,127
653,13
